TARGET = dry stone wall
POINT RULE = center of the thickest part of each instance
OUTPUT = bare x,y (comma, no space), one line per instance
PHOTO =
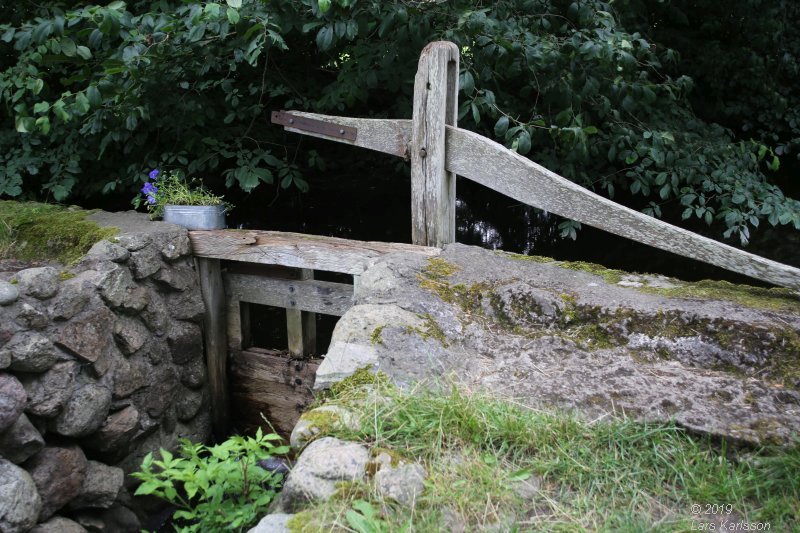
100,363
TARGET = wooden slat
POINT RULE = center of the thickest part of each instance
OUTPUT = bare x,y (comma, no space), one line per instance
216,342
296,249
266,381
388,136
234,323
301,326
433,188
305,295
484,161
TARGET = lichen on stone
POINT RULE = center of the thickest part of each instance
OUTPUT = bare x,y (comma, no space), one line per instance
375,337
432,330
360,378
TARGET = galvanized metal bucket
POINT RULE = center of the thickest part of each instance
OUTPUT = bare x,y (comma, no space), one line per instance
196,216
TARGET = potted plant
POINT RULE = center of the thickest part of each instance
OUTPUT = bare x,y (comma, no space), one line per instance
193,206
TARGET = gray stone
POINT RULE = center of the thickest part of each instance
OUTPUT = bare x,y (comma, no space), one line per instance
120,519
58,473
193,373
323,464
134,241
273,523
130,334
116,431
91,520
31,352
527,489
12,400
8,293
145,262
130,375
100,487
187,403
39,282
31,317
107,250
155,314
185,341
176,248
20,504
73,296
324,418
87,337
49,391
187,305
160,395
20,441
5,359
119,291
403,483
177,277
84,412
59,524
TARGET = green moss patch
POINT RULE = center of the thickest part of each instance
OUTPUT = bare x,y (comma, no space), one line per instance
776,299
46,232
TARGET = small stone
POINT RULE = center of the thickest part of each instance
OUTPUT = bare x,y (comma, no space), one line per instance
193,373
130,375
527,489
58,473
20,441
177,278
273,523
185,342
160,394
91,520
120,519
130,334
155,314
31,352
323,464
39,282
8,293
12,400
119,291
100,487
177,248
188,403
109,251
20,503
321,420
84,412
30,317
134,241
145,262
116,431
59,524
403,484
88,337
5,359
48,392
187,305
72,298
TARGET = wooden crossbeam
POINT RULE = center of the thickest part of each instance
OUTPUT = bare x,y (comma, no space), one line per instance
304,295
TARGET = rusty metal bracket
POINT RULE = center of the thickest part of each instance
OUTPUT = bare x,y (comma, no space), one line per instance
311,125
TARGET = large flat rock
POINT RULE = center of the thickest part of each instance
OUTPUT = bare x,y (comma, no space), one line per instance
714,357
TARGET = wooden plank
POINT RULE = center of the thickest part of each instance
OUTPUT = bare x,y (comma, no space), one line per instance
266,381
234,323
216,342
433,188
305,295
382,135
301,326
491,164
296,249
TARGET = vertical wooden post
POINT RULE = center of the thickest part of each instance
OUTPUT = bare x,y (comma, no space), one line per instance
301,326
216,342
433,189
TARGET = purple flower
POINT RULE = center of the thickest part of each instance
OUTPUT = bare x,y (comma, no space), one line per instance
154,174
150,191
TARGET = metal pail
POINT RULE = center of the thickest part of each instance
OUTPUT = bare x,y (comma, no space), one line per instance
196,216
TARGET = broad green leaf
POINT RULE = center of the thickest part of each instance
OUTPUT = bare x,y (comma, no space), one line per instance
68,47
38,86
94,95
84,52
324,5
325,38
233,15
236,4
117,5
524,143
43,123
501,127
41,107
25,124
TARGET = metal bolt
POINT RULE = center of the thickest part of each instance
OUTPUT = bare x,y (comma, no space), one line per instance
341,132
298,381
291,121
291,288
423,153
292,303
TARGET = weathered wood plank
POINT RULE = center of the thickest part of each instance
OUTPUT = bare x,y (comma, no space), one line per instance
234,323
305,295
484,161
433,188
301,326
268,382
296,249
215,341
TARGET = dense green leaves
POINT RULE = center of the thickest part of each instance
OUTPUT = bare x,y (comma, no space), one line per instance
98,94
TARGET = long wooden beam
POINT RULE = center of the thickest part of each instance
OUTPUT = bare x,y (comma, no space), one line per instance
491,164
296,250
305,295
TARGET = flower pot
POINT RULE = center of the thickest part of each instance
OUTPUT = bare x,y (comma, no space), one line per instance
196,216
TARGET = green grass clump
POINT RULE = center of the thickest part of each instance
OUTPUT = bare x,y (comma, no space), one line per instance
615,475
47,232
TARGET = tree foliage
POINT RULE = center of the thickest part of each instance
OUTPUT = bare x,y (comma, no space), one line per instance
97,95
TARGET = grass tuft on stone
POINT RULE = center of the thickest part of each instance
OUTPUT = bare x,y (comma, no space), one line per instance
495,465
47,232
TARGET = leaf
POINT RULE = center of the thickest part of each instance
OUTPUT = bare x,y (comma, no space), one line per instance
501,127
117,5
25,124
82,103
93,93
524,143
41,107
38,86
324,5
521,475
233,15
68,47
234,3
467,82
325,38
84,52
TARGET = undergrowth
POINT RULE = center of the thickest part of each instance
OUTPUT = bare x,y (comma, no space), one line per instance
494,464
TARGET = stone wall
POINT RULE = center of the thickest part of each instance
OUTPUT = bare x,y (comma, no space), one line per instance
100,363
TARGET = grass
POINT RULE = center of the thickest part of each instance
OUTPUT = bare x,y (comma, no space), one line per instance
47,232
606,476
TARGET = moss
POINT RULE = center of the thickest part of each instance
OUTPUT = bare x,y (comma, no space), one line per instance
439,268
776,299
432,330
46,232
64,275
360,378
323,421
375,337
300,522
610,275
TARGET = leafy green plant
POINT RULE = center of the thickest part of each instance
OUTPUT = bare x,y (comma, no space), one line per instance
172,189
215,488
